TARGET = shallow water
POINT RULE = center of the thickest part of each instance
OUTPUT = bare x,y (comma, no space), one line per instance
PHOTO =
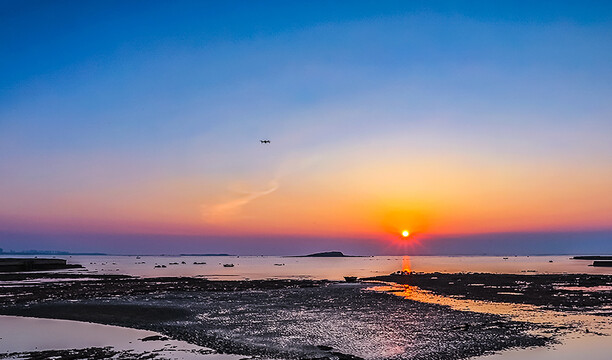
582,333
263,267
573,347
50,334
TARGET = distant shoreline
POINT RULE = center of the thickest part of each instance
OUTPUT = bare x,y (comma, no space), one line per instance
42,264
573,256
48,253
593,257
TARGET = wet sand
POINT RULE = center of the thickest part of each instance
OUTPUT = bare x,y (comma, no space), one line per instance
289,319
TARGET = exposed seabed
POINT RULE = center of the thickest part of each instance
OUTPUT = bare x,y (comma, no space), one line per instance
294,319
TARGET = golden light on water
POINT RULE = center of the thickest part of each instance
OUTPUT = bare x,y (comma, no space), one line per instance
406,264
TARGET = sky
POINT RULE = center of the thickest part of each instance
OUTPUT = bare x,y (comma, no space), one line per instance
135,126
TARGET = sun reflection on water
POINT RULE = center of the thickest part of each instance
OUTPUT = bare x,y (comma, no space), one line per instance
513,311
406,264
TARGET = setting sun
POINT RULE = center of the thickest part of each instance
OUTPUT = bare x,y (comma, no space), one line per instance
405,233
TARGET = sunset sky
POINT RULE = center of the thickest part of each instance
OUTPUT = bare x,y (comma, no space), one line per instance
134,126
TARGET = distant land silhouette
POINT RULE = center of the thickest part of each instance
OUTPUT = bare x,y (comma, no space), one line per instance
47,252
327,254
206,255
593,257
602,263
11,265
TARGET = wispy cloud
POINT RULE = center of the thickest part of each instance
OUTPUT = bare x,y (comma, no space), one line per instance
229,209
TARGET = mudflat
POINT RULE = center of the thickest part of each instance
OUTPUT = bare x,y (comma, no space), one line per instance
289,319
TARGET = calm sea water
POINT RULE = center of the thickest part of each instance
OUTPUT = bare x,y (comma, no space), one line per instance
263,267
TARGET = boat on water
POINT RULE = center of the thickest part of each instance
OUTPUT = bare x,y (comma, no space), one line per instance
350,279
228,265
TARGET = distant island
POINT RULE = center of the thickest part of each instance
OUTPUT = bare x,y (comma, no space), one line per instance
206,255
592,257
327,254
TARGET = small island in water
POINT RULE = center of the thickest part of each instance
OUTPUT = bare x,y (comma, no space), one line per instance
327,254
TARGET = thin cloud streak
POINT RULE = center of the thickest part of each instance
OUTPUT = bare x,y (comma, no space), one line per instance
228,210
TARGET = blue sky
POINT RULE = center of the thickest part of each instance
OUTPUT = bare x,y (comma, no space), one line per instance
158,103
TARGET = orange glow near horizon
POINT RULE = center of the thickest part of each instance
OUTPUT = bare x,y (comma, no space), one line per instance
426,197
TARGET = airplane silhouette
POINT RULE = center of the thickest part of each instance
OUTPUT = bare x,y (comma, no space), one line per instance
264,141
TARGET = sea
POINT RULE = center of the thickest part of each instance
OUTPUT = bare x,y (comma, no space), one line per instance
284,267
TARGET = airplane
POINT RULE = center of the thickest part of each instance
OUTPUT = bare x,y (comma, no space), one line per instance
264,141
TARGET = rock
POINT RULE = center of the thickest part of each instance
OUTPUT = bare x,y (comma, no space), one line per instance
154,338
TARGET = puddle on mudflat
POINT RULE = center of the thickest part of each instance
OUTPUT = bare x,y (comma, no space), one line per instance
581,332
574,346
22,335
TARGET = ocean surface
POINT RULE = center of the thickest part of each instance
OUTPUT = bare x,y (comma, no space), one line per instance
265,267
